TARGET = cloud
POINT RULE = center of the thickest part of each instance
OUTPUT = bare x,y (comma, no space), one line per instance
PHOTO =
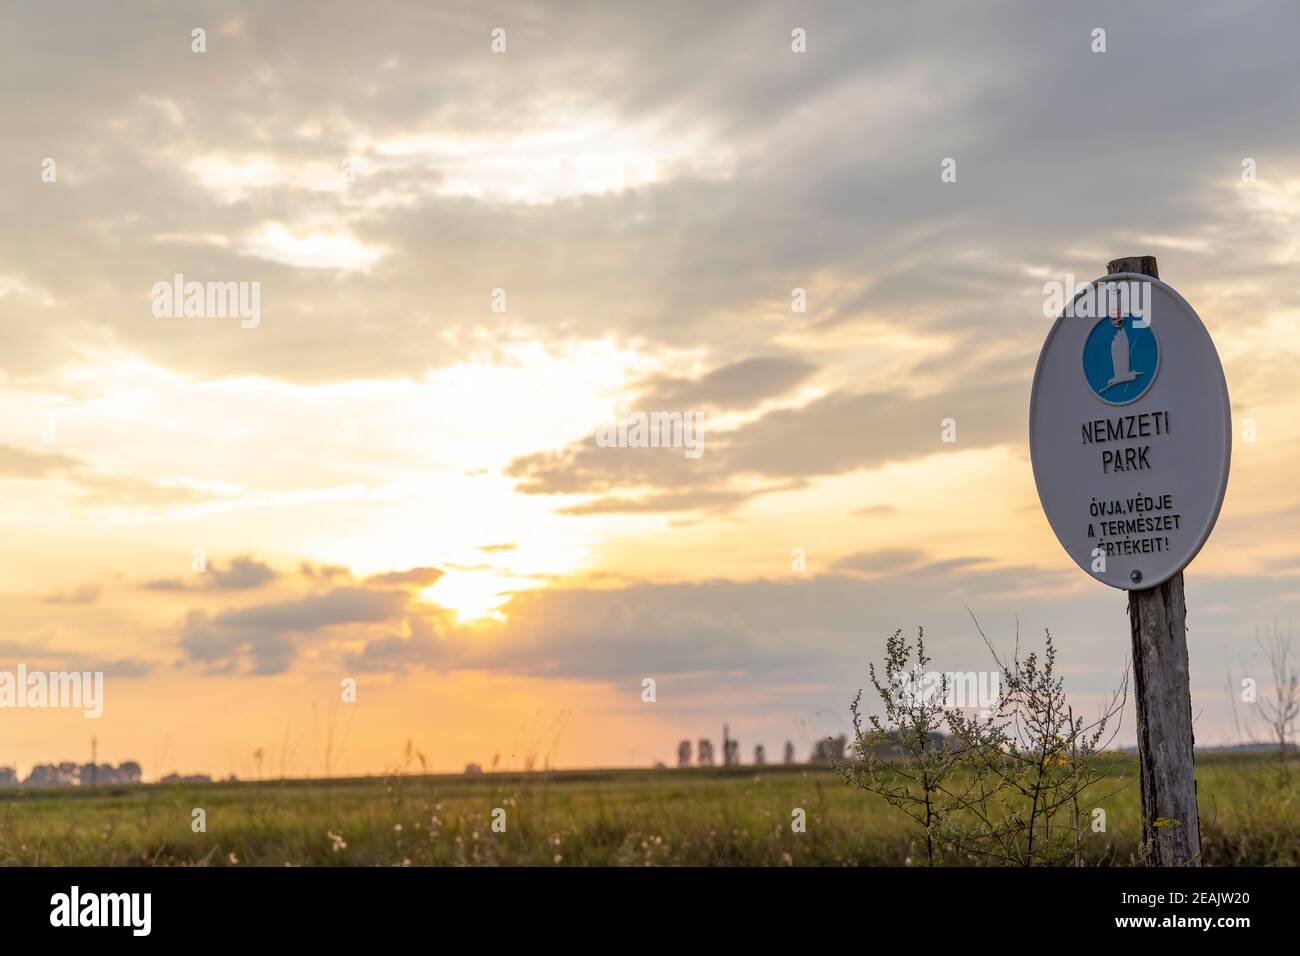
324,572
95,488
715,500
810,640
739,385
20,464
85,594
127,667
873,511
674,210
882,561
263,637
807,638
834,434
423,647
41,655
244,573
765,629
422,577
847,431
757,631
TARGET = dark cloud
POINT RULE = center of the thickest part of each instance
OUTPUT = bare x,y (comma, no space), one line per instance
243,573
736,386
115,667
264,636
844,432
426,646
837,433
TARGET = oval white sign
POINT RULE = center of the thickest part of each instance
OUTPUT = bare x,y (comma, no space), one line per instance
1130,431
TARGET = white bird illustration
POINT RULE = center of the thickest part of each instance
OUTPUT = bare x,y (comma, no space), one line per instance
1119,356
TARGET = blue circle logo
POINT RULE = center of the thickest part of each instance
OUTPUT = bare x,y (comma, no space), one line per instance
1120,359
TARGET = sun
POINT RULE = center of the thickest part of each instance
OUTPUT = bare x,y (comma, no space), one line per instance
475,596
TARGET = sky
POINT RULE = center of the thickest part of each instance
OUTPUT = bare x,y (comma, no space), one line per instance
474,250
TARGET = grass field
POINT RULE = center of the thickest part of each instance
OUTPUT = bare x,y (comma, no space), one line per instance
734,816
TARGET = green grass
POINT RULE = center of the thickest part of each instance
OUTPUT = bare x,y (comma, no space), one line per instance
738,816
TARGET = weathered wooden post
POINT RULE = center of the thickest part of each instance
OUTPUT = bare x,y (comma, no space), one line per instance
1171,825
1131,438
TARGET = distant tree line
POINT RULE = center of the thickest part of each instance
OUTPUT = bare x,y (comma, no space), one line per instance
69,774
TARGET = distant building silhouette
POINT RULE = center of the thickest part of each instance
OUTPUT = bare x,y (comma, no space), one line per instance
760,755
704,753
730,749
684,754
789,752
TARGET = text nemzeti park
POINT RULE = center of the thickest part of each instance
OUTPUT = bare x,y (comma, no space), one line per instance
1147,516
